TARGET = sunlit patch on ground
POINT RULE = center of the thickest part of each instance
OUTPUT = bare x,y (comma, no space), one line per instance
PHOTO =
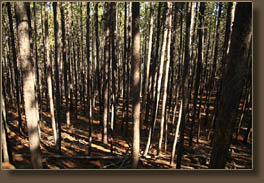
75,142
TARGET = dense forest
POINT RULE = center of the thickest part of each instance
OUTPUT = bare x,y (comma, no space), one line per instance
121,85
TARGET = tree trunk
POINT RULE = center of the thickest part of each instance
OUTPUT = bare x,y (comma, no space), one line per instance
17,73
227,30
124,66
65,64
233,82
198,68
98,64
153,70
129,34
49,72
4,138
135,90
106,76
38,71
146,85
57,35
114,67
176,135
27,67
164,99
184,84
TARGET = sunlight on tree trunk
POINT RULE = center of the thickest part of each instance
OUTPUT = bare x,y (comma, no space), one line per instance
135,90
27,67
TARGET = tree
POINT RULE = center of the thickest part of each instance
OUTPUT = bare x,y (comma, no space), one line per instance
38,70
153,70
228,30
167,36
89,78
98,63
124,64
17,73
57,35
176,135
135,90
49,73
65,64
106,72
4,138
233,81
27,67
146,85
184,84
198,68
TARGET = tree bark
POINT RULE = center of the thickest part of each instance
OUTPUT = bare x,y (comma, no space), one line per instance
146,85
164,99
27,67
153,70
65,64
227,30
6,154
198,68
49,72
233,82
176,135
124,65
135,90
106,75
17,73
57,35
38,71
184,84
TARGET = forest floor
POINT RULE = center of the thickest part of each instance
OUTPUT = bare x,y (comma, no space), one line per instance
75,143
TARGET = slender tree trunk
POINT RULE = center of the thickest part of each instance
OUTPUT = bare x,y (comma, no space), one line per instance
114,67
98,65
128,68
45,85
153,70
146,85
75,78
89,78
70,93
180,52
176,134
172,73
164,99
198,69
27,67
57,35
49,72
65,64
216,42
158,88
82,66
89,88
184,85
106,76
4,138
124,66
135,90
38,71
227,30
17,73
